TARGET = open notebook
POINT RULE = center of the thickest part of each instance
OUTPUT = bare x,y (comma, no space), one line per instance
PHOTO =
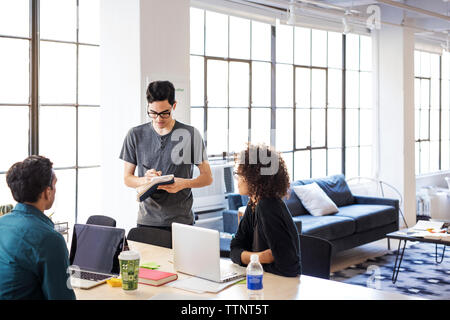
145,191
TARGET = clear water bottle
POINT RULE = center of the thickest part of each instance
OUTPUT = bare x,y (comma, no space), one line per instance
255,278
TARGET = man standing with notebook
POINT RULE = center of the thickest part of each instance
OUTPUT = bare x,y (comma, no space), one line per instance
161,147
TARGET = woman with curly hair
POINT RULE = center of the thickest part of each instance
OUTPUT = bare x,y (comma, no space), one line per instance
266,228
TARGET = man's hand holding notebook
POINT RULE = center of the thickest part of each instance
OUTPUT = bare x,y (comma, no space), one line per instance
155,179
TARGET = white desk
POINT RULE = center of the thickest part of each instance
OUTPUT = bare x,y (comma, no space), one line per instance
275,287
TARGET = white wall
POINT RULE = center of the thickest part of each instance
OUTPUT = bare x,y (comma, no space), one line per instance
165,50
120,101
140,40
395,74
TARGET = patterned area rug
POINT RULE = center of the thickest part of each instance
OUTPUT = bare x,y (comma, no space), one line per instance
419,274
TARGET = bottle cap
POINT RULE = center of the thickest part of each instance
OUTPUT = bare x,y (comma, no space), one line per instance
254,258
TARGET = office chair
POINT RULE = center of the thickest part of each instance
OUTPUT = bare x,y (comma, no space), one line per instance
315,256
149,235
225,247
101,221
230,215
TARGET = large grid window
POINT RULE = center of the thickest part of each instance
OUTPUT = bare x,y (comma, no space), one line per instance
67,105
431,102
307,107
285,86
359,106
230,81
15,42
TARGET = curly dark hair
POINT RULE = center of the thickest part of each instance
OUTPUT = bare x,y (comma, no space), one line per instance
254,169
160,91
29,178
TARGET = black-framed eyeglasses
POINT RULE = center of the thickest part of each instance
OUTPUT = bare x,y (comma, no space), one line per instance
163,115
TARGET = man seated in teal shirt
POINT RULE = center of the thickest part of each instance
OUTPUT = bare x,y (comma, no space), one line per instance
33,256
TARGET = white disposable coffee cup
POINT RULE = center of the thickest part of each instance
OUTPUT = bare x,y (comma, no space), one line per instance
129,270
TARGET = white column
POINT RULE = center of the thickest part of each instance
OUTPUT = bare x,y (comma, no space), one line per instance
165,50
141,40
396,153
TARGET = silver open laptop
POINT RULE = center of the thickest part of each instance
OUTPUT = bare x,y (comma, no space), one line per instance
94,254
196,251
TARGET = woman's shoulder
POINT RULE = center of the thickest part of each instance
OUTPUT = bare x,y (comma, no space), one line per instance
271,205
270,202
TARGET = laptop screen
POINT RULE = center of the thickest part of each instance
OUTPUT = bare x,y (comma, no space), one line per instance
96,248
196,251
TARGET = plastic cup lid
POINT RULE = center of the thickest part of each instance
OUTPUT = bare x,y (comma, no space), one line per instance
129,255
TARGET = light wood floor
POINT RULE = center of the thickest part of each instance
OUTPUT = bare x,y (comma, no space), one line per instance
347,258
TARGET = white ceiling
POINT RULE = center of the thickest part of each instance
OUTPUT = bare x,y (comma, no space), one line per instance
429,18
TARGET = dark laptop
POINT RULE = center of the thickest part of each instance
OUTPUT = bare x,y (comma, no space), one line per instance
94,254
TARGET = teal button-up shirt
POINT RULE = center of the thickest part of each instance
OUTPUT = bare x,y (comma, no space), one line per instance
33,257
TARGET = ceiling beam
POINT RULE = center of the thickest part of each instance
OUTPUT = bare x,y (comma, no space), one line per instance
414,9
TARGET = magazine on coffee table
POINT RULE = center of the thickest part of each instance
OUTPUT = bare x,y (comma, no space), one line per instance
428,230
423,225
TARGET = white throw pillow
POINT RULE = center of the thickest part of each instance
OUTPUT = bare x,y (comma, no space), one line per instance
315,200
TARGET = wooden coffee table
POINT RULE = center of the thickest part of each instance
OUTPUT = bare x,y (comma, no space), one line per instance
403,236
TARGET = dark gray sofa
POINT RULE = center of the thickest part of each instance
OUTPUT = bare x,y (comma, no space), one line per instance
360,220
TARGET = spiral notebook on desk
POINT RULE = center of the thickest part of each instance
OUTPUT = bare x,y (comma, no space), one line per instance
146,190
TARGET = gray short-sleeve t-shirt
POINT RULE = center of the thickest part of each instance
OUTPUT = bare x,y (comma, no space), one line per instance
174,153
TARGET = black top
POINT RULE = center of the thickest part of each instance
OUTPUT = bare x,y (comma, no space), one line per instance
270,226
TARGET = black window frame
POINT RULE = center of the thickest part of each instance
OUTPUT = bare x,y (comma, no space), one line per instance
34,103
226,155
428,140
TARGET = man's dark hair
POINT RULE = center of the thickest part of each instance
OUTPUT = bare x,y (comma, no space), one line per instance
160,91
27,179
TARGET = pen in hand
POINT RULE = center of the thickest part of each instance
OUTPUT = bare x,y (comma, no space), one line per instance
156,173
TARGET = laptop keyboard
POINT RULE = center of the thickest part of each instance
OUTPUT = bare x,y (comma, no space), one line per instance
230,272
229,276
90,276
